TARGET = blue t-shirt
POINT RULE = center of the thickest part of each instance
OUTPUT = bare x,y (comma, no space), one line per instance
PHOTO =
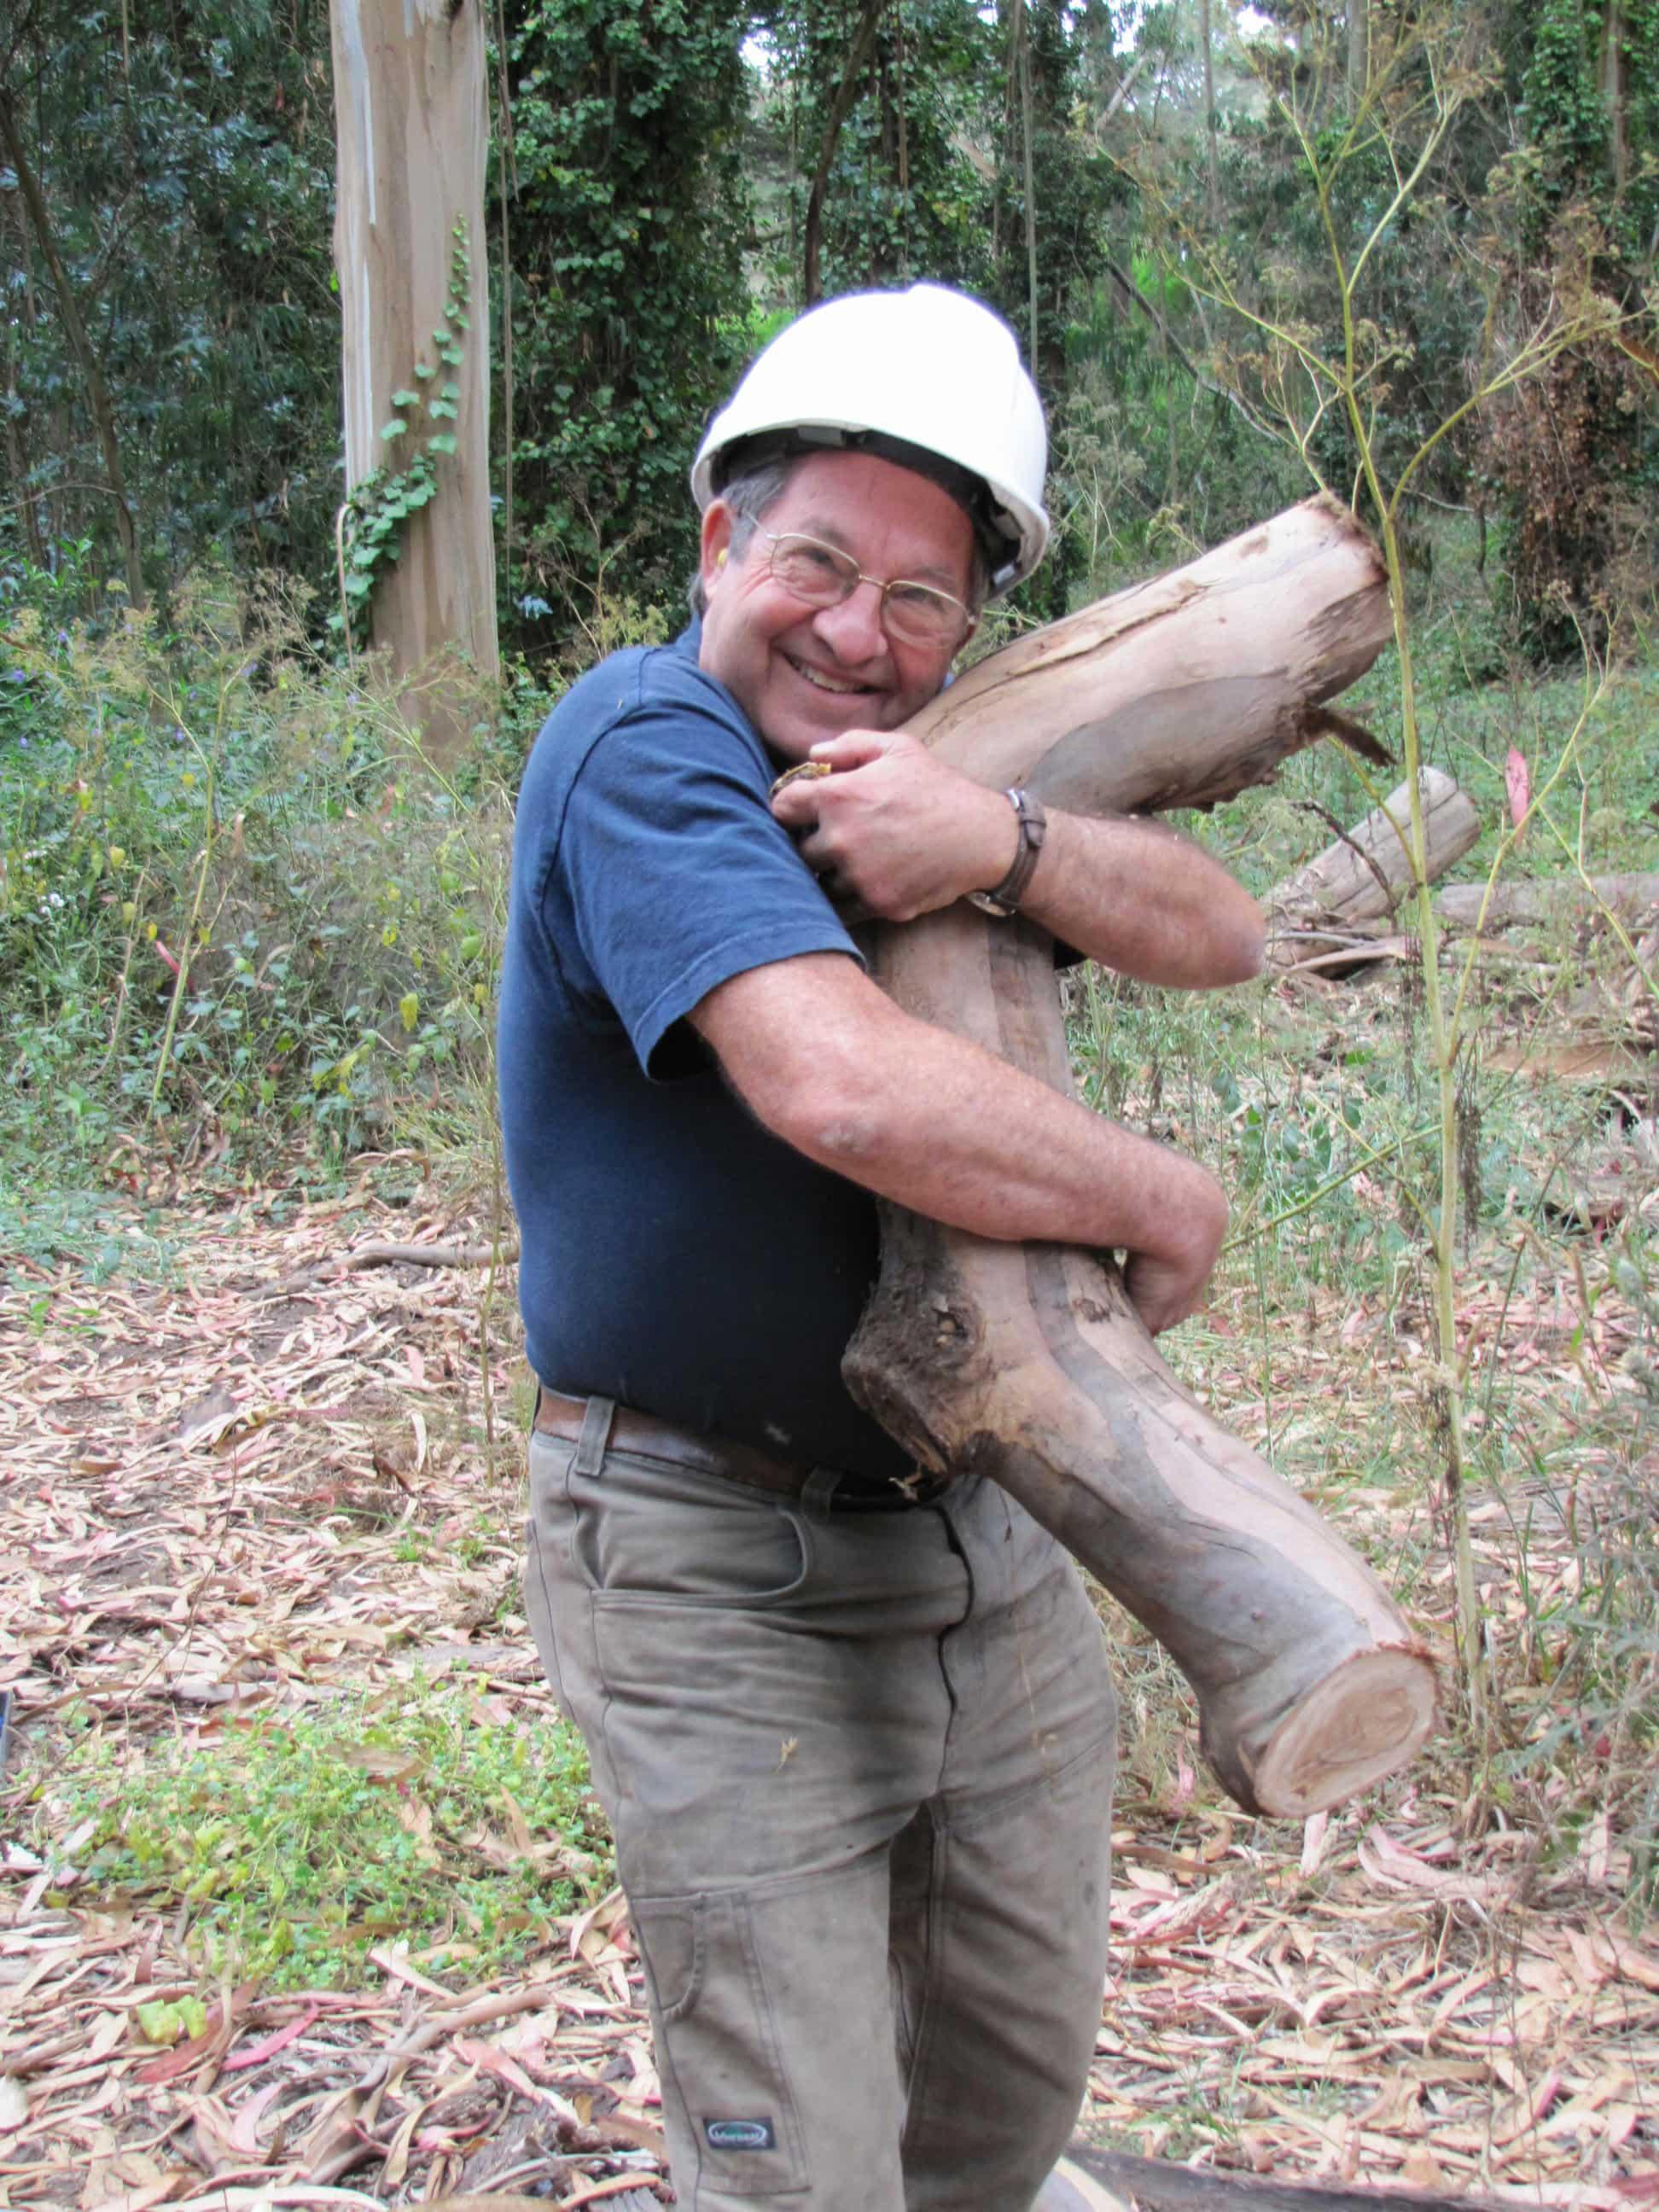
676,1257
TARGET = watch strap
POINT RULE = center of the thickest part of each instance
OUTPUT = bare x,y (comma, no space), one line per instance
1033,824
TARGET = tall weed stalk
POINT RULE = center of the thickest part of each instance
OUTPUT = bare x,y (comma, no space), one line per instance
1418,86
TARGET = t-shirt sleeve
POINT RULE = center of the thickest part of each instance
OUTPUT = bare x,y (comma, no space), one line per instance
678,877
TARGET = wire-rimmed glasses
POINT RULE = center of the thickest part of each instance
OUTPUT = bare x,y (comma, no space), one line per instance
821,575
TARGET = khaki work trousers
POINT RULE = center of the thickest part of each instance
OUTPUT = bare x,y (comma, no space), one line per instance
858,1767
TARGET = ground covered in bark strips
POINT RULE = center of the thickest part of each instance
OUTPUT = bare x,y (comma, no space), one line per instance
242,1484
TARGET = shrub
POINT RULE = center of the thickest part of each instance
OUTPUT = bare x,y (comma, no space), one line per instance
232,893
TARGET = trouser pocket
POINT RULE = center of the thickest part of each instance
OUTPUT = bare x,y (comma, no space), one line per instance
720,2054
546,1577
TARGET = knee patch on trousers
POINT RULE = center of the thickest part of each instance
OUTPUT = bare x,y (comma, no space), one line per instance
720,2054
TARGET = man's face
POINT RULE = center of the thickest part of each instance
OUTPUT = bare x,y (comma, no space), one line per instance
803,673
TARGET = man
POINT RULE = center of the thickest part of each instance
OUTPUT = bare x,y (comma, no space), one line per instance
854,1734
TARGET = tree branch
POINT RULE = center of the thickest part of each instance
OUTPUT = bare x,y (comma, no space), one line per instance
1132,292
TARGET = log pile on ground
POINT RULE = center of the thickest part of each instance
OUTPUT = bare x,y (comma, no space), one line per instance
1344,915
1338,912
1633,898
1601,1030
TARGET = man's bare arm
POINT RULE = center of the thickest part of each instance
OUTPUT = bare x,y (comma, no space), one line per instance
827,1062
895,833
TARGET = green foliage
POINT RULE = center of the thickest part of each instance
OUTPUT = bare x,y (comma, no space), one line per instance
382,502
1180,427
234,896
1148,464
1578,135
630,315
907,196
1574,458
296,1846
187,170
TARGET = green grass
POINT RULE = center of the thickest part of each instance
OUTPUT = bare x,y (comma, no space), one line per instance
295,1847
1317,1112
98,1233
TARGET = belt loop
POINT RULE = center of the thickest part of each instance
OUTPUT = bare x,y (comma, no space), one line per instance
596,1434
817,1492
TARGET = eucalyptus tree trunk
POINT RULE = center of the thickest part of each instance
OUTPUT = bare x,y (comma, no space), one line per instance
1613,92
410,128
1370,869
1027,1362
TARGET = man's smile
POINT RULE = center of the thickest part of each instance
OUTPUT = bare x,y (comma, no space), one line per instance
821,677
802,672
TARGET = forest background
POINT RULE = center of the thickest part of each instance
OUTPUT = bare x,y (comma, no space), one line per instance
1171,203
249,926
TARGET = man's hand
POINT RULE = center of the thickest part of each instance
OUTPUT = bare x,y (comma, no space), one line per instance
894,832
1166,1287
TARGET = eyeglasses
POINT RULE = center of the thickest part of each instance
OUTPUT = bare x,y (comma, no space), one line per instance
821,575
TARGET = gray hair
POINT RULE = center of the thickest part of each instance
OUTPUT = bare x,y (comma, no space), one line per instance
749,496
752,494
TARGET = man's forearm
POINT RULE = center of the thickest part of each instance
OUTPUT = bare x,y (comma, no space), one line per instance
895,833
1144,901
935,1124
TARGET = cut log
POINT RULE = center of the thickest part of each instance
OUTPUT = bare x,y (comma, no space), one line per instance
1197,707
1155,2185
1028,1363
1588,1063
1550,898
1362,876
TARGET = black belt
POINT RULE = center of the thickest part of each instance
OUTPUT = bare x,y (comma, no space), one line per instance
634,1432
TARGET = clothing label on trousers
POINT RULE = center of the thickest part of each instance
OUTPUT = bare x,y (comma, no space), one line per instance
740,2134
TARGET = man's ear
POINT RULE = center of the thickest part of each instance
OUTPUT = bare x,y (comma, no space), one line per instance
716,540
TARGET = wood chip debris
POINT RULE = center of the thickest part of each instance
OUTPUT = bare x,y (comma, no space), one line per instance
204,1491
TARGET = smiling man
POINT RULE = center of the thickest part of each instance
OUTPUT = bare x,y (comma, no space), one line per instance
803,671
854,1731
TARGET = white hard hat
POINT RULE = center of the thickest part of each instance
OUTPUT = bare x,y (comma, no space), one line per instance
928,369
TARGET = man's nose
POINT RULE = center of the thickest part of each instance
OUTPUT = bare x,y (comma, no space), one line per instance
851,629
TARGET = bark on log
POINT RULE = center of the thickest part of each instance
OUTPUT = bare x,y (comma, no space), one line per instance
1550,898
1155,2185
1363,876
1028,1363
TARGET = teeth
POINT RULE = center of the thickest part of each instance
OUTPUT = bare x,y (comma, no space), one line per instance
823,683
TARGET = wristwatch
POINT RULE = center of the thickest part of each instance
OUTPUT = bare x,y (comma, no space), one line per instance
1033,822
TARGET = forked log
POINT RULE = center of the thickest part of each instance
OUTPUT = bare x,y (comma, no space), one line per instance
1028,1363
